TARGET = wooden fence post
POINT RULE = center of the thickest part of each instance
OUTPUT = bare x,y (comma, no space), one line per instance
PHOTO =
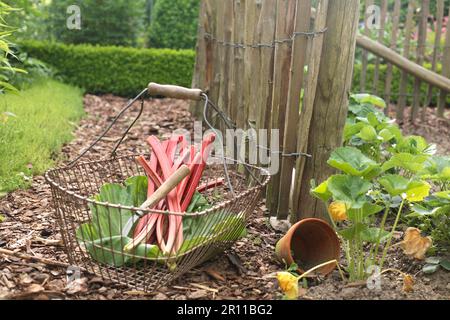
331,101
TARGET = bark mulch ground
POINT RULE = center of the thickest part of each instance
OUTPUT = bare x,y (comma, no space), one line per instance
243,272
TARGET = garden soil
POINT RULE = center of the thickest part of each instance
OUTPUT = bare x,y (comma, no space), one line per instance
246,271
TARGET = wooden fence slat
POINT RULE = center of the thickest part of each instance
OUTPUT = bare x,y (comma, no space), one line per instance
308,103
296,77
423,24
376,76
436,50
401,104
393,45
445,72
231,59
284,28
365,54
201,78
255,55
236,100
252,14
217,30
331,100
224,33
266,31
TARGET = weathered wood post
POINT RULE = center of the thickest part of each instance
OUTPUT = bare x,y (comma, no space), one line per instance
330,103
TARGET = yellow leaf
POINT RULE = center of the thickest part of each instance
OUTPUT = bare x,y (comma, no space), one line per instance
419,193
338,211
289,284
414,245
408,283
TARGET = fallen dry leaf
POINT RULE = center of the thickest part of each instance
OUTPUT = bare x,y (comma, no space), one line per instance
414,245
408,283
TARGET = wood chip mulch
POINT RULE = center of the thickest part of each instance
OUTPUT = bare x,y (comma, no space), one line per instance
244,272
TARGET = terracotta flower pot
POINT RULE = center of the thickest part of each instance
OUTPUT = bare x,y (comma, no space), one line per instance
309,243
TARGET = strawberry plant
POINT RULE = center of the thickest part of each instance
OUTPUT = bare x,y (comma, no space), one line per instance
352,207
382,173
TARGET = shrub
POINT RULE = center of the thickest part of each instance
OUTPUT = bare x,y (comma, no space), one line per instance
105,22
7,71
116,70
174,24
31,20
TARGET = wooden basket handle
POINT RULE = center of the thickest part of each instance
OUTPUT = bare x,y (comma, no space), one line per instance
176,92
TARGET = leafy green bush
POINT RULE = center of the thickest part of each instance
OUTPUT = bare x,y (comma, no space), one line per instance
116,70
34,124
6,51
31,20
396,79
174,24
106,22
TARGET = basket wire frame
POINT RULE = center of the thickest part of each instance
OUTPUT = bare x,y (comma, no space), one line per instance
73,189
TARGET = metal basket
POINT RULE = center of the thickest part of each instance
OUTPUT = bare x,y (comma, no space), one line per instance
74,187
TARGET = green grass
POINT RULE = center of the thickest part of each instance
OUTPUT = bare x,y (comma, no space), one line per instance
34,125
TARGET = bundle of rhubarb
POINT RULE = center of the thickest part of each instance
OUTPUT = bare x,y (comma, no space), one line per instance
166,230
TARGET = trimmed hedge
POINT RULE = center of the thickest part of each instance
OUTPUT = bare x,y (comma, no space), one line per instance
396,79
127,71
117,70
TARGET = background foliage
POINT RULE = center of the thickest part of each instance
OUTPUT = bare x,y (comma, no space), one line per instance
174,24
397,74
104,22
31,21
116,70
7,69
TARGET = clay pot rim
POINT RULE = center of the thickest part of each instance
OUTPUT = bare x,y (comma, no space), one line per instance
288,237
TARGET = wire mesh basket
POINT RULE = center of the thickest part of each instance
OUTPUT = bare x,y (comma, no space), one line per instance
92,230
